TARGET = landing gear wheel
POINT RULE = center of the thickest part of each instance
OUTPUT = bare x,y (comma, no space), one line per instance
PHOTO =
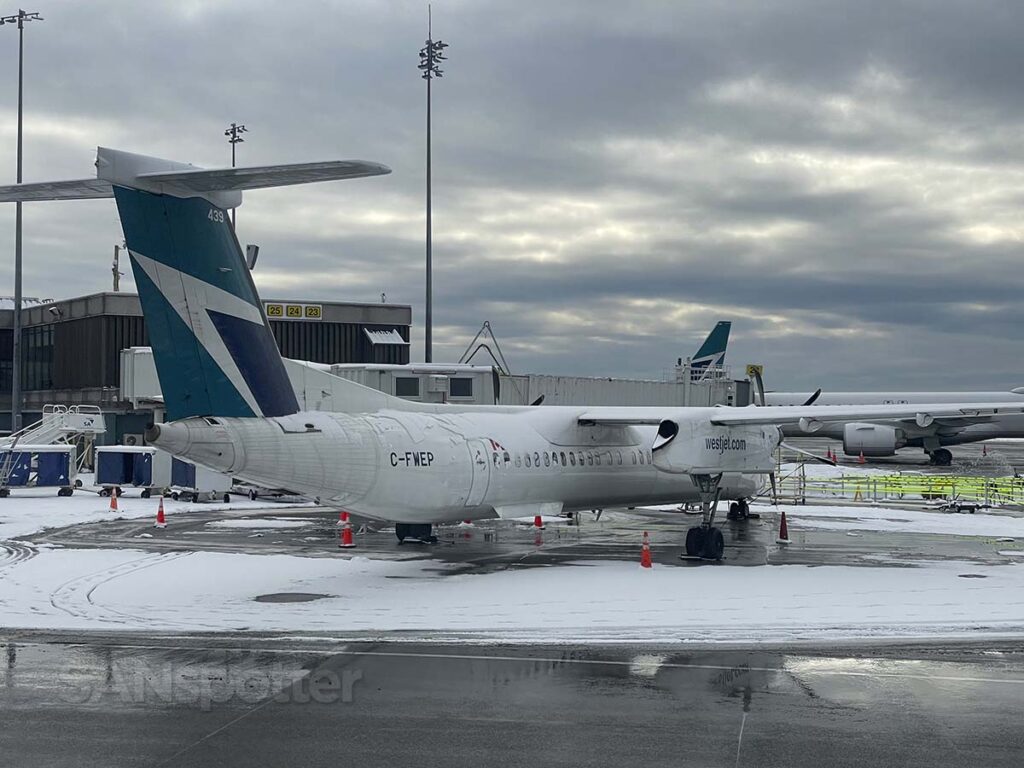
419,532
694,541
734,512
714,545
942,457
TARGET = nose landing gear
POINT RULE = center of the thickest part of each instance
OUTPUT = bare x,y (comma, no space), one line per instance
705,540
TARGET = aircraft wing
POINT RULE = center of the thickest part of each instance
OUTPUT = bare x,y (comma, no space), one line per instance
257,177
78,189
809,417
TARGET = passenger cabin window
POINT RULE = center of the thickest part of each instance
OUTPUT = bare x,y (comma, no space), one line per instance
519,461
507,458
590,459
619,453
460,387
562,456
547,459
572,458
536,459
528,462
407,386
495,458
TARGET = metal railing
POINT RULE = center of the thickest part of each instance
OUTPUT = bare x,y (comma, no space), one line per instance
797,488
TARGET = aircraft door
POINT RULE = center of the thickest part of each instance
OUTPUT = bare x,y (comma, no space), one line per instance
480,460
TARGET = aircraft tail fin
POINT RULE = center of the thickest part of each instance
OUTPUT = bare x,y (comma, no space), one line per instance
712,351
214,350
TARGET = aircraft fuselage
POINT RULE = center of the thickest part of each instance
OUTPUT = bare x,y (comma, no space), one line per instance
430,467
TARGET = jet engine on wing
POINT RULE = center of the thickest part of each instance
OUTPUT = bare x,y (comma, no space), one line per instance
871,440
696,447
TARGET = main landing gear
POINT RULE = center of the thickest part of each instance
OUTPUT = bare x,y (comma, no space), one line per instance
418,532
740,510
704,540
941,457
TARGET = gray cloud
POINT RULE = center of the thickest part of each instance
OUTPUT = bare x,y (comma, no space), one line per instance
842,180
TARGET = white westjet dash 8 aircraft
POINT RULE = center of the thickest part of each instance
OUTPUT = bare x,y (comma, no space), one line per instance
230,405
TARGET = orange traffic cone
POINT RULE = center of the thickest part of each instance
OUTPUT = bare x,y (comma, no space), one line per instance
861,459
537,522
645,552
113,499
161,520
346,532
783,530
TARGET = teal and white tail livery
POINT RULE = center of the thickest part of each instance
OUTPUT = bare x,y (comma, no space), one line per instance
712,352
214,351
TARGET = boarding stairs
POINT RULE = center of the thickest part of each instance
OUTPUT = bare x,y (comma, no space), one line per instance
75,425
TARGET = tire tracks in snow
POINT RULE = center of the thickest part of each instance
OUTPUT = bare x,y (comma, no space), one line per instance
75,596
13,552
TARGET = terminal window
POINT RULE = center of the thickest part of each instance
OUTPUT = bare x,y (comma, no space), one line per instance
407,386
460,387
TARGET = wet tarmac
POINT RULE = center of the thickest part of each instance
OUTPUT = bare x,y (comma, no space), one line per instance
132,700
494,545
250,699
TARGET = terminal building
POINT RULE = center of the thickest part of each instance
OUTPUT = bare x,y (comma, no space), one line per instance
93,351
71,349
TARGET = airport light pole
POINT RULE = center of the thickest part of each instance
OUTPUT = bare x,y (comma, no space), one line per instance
431,55
20,18
234,134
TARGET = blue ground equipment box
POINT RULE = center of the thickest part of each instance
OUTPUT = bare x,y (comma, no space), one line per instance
198,483
123,466
38,466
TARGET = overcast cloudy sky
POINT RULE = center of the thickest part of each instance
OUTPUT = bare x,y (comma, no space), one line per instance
843,180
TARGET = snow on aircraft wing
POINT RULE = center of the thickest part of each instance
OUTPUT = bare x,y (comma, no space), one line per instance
78,189
257,177
808,416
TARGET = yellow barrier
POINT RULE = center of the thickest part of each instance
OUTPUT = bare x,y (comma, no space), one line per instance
861,487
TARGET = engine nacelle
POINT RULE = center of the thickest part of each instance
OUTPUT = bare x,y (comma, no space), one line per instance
871,440
701,448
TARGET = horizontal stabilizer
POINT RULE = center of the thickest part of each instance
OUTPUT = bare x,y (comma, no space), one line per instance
220,186
78,189
259,177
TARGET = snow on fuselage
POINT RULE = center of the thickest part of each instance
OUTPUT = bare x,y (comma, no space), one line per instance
433,467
